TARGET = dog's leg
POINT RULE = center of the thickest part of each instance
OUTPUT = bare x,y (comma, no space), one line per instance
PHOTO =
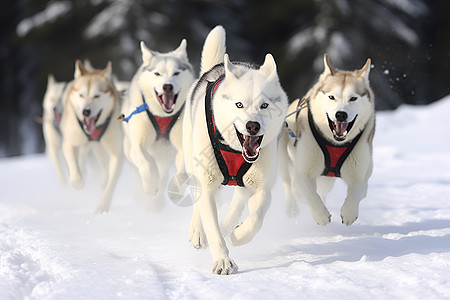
147,168
222,263
54,152
102,158
157,203
307,187
284,166
258,204
115,168
197,237
71,155
231,219
356,191
178,186
324,186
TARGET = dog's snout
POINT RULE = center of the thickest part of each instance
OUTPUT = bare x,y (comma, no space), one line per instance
86,112
253,127
168,88
341,116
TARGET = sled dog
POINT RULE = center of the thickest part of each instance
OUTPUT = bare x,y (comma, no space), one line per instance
331,137
234,114
153,133
88,121
53,107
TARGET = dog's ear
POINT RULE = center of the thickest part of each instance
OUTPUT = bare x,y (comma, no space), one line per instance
181,51
79,69
146,54
329,69
365,70
230,69
107,72
50,80
87,65
269,67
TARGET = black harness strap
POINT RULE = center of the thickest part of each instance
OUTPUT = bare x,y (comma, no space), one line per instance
163,125
222,152
99,130
334,155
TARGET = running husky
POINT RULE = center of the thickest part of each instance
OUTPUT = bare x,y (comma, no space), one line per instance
331,137
92,105
153,139
53,107
234,115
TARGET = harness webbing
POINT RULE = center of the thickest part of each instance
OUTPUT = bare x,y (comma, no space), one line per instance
334,155
99,130
231,162
163,125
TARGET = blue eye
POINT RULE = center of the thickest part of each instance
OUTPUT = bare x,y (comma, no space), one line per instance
264,105
157,74
239,105
353,98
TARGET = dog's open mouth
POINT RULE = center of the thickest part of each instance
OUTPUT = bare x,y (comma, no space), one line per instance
251,144
90,123
167,101
340,129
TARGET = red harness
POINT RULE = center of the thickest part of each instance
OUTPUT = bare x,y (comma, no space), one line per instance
98,132
334,155
163,125
231,162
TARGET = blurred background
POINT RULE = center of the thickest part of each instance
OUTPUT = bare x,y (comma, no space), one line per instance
407,41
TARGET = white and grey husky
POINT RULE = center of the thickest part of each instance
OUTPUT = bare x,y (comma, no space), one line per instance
331,137
53,108
234,115
88,122
153,133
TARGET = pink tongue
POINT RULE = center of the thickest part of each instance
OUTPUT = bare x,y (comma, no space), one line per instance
89,124
251,144
340,128
168,100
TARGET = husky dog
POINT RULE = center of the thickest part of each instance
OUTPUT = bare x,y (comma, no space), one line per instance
156,99
53,107
234,115
92,105
331,137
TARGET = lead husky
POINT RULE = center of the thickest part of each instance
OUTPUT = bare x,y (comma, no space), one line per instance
153,139
53,107
331,137
92,105
234,115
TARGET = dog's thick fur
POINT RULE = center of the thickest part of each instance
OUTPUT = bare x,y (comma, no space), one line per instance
91,100
246,94
53,108
336,95
163,82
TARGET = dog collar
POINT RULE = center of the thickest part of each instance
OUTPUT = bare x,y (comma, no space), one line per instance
334,155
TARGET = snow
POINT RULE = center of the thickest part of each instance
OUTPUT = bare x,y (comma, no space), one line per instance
51,13
52,246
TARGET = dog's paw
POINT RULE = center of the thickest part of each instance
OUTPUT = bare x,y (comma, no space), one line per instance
224,266
77,183
292,209
150,188
197,238
101,209
349,213
322,217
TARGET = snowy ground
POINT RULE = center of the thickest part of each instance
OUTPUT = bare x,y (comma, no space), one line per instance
53,247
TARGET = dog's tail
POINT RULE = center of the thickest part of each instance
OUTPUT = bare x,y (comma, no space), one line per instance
213,49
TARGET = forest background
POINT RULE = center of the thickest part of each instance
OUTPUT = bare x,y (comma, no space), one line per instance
407,41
